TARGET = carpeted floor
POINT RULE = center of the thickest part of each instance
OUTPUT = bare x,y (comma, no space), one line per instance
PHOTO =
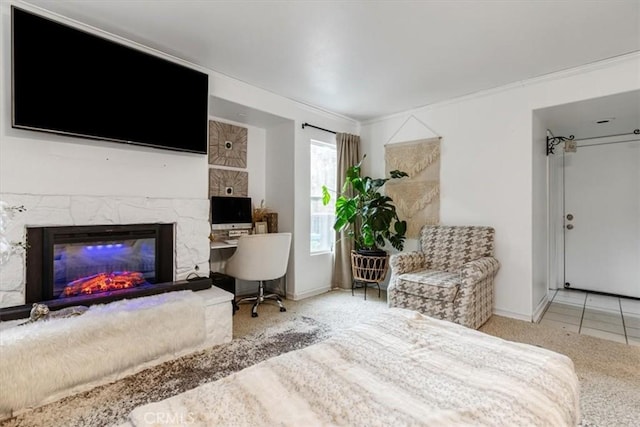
609,372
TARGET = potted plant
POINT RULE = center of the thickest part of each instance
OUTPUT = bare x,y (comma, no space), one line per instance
369,218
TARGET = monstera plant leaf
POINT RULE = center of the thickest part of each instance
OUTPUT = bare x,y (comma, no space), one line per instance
368,216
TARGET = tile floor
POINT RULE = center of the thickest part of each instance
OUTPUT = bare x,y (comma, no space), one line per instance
603,316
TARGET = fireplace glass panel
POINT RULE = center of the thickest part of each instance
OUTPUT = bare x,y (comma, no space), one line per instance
88,268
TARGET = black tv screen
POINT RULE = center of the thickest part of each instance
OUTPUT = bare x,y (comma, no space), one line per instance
68,81
228,212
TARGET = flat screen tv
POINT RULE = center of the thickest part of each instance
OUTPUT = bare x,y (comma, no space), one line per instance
229,212
71,82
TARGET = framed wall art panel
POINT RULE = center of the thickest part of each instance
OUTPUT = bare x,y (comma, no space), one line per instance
223,182
227,145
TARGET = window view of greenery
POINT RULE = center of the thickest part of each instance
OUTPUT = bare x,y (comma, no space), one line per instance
323,172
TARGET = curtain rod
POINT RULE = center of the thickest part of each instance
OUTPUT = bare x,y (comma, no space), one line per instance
553,141
609,143
305,124
635,132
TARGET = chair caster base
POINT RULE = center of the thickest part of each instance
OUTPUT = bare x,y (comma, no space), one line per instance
282,309
254,314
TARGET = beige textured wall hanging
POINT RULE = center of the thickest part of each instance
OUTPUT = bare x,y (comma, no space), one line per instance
417,198
223,182
227,145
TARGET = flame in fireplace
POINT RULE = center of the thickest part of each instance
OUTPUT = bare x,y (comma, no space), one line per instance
103,282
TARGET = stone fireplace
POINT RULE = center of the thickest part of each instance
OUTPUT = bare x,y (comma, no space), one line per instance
183,221
162,242
90,263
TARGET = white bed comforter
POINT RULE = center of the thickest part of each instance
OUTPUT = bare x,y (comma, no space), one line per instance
400,368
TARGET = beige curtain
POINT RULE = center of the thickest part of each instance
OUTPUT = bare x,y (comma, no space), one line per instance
348,148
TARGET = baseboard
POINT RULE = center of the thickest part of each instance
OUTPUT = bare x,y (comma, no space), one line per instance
541,308
308,294
512,315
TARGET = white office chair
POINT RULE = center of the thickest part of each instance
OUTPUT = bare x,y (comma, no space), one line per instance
260,257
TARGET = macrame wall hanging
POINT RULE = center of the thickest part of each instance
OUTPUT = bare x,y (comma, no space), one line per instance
417,198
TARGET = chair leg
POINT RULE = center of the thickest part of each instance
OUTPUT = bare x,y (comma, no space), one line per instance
260,298
246,299
279,301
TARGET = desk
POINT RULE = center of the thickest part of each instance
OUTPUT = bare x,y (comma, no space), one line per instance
219,244
220,251
219,279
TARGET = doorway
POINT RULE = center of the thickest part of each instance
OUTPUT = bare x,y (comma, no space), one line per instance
593,195
602,216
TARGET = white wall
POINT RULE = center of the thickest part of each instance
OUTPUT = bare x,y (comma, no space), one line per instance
317,270
487,161
540,217
556,221
280,190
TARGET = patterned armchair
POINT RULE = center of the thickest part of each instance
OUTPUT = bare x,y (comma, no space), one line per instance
451,278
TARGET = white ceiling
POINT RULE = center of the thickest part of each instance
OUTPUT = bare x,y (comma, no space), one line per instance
581,118
366,59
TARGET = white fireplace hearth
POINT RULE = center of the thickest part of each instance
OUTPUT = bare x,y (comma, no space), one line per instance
63,351
189,216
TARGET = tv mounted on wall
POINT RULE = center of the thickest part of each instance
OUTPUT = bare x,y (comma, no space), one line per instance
71,82
228,213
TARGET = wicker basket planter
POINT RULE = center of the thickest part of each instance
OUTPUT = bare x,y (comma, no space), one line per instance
371,268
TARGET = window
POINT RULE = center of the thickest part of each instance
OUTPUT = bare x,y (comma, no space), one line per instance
323,172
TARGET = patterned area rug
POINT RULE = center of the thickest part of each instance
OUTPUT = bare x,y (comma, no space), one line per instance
111,404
